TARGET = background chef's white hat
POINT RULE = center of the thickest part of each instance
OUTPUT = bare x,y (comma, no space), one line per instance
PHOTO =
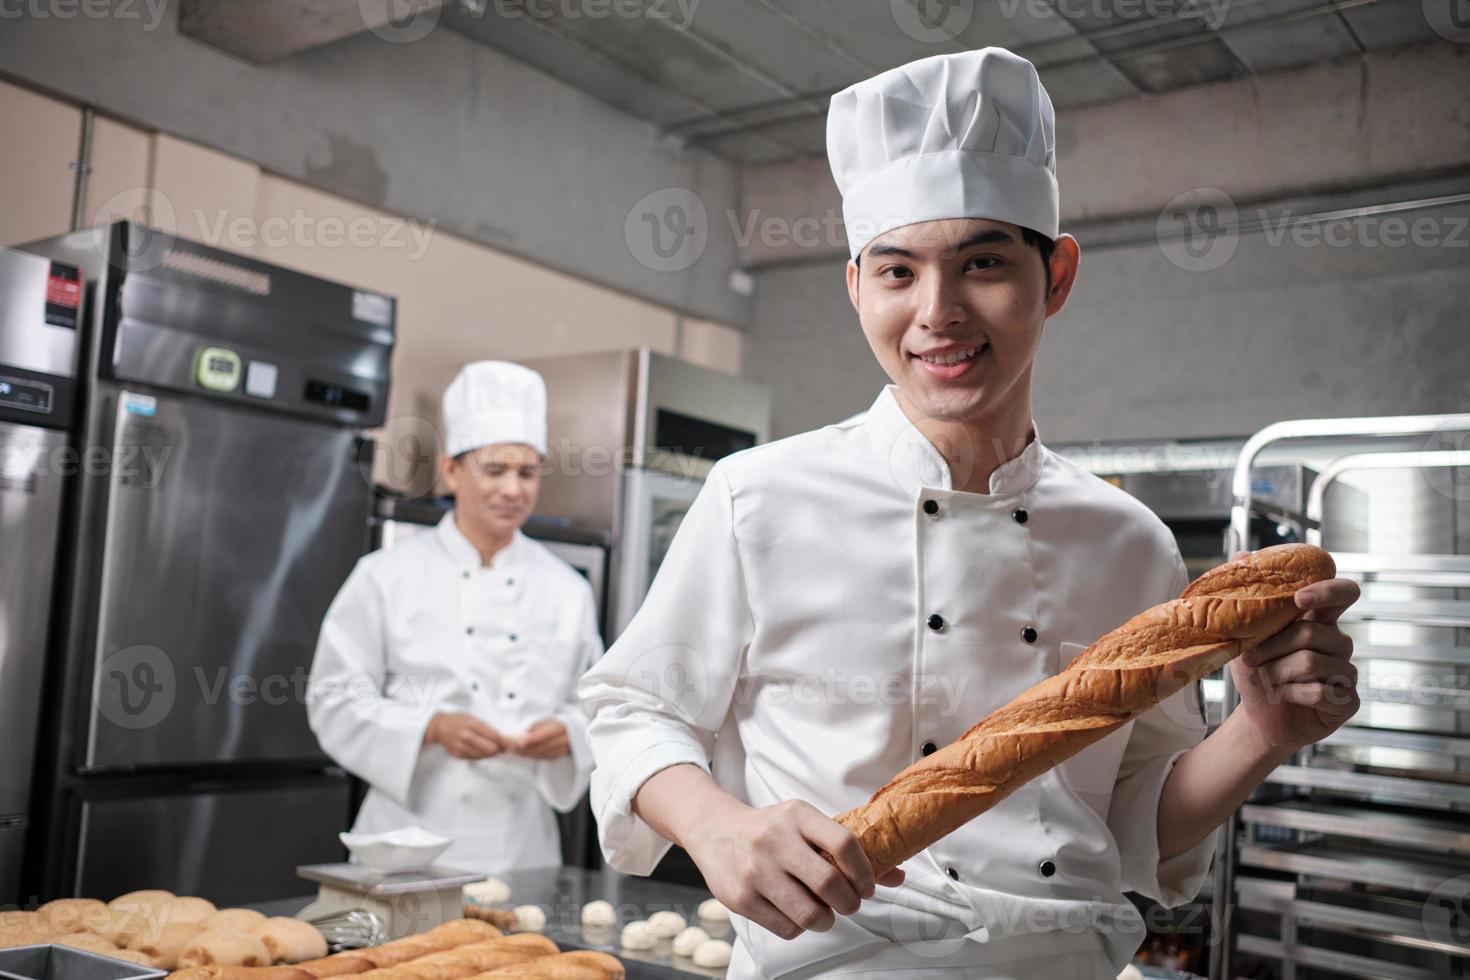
490,402
968,135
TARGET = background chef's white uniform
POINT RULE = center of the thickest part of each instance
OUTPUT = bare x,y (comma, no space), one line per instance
422,628
830,607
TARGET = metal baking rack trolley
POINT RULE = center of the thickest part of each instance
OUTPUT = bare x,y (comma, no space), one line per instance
1354,858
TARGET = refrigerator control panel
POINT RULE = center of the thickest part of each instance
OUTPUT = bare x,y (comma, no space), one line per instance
28,396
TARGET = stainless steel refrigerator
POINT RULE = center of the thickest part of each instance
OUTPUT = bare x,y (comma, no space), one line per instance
39,302
224,496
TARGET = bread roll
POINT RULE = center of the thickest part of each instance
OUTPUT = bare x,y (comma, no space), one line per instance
238,920
224,947
291,940
503,919
66,915
125,924
148,897
578,965
20,937
448,935
180,910
1224,613
132,956
12,920
165,943
217,972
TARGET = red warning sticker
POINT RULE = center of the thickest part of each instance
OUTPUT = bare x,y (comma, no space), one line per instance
63,292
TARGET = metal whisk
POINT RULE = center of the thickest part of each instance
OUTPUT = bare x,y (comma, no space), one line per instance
350,929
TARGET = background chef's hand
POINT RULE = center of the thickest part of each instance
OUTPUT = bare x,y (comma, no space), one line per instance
547,739
768,865
465,736
1299,686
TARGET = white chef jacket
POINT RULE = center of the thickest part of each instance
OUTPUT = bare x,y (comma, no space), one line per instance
828,609
421,628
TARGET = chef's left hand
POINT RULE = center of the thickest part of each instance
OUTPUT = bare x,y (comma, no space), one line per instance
1299,686
547,739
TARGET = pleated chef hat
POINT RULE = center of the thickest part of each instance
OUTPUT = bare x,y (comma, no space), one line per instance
491,402
968,135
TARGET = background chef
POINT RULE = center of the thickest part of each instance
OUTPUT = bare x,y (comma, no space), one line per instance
839,603
445,671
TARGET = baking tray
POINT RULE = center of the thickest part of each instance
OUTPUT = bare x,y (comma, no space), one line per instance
50,962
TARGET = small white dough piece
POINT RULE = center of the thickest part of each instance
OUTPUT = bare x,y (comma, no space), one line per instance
491,891
666,925
598,915
639,935
530,918
712,910
1131,972
686,942
713,953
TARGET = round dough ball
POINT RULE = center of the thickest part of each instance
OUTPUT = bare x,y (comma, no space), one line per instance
530,918
12,920
164,943
712,954
91,942
666,925
1131,972
291,940
598,915
638,935
240,920
65,915
124,925
491,891
686,942
190,911
132,956
712,910
147,897
224,947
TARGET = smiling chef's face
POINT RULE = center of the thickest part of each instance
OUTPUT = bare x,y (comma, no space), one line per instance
953,310
494,487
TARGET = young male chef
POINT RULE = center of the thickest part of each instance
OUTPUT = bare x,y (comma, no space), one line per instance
446,669
839,603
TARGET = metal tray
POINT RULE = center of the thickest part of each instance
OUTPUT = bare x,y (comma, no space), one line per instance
1355,861
50,962
1364,821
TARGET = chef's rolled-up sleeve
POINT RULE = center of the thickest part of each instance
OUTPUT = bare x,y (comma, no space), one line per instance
562,782
372,734
1159,737
663,690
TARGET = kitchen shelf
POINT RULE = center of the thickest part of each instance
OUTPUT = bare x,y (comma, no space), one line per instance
1366,821
1388,738
1426,612
1400,788
1329,959
1346,860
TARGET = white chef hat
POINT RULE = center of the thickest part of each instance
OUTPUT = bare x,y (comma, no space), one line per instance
491,402
968,135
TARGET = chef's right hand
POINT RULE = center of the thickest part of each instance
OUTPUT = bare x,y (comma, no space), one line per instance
464,736
767,864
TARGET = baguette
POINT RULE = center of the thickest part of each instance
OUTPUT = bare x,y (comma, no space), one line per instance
442,937
1222,614
581,964
467,960
336,965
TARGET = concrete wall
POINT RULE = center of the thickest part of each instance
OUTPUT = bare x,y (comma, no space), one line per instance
441,129
1362,317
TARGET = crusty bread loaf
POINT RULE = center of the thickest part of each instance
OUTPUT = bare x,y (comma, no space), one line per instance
448,935
581,964
467,960
1223,613
336,965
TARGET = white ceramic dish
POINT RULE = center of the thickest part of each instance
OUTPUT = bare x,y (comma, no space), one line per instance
404,849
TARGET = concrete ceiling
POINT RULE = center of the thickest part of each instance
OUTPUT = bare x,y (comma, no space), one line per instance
749,79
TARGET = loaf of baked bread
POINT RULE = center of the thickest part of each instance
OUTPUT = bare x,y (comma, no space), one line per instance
580,964
467,960
447,935
291,940
1222,614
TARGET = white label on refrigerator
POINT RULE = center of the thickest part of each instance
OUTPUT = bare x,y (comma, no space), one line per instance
372,308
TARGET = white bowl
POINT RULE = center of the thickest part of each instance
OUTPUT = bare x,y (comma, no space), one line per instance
404,849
